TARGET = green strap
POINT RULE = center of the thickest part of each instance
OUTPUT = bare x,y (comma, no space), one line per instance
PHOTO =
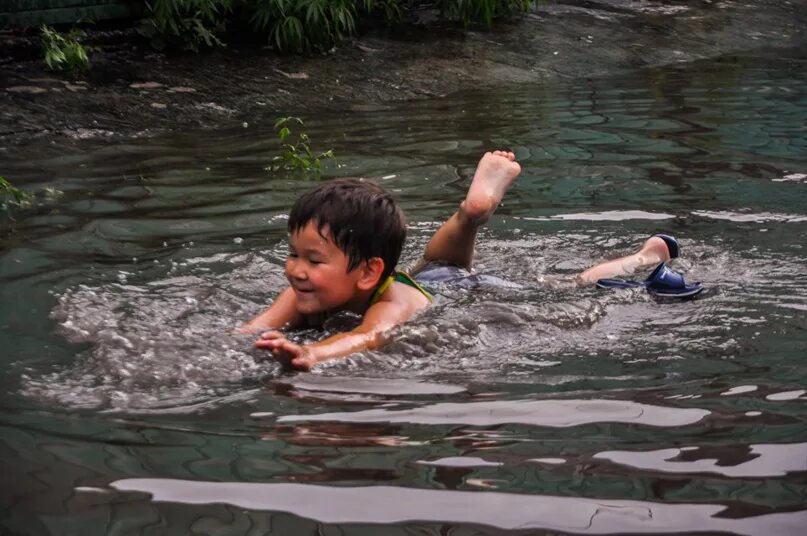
406,279
400,277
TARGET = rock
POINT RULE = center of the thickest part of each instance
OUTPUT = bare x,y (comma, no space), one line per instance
215,107
43,80
369,50
145,85
32,90
295,76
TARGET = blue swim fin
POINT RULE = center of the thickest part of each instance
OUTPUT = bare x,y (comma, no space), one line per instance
662,281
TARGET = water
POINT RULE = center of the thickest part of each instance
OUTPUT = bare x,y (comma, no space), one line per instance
129,407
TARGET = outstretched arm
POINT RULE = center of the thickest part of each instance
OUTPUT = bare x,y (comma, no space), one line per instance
281,314
371,333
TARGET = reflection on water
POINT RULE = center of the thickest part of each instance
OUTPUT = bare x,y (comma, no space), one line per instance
753,461
560,413
129,399
379,504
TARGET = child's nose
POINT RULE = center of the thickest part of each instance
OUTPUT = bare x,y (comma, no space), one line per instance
295,269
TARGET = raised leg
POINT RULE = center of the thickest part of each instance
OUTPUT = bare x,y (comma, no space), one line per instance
454,241
653,252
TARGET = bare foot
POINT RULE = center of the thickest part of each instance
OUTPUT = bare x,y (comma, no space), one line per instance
494,175
653,251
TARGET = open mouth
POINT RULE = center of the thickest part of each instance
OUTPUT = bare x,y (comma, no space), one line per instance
303,291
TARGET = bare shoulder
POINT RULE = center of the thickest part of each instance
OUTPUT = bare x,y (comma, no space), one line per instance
397,305
406,296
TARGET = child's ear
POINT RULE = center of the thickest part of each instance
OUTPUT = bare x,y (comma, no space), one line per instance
371,271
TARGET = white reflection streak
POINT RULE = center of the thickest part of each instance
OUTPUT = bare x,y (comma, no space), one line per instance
770,460
387,504
553,413
743,217
609,215
380,386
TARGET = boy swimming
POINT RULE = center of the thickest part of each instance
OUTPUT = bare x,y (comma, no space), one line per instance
345,239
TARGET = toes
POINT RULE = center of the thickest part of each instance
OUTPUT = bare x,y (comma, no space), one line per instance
505,154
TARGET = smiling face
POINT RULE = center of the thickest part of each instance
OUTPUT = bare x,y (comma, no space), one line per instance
318,273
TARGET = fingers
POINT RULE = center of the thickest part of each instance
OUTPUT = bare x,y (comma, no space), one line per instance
291,348
285,351
269,340
281,348
302,363
268,344
269,335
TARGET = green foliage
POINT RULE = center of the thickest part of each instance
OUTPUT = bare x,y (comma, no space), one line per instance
391,9
11,197
64,53
304,25
480,11
297,156
189,24
300,26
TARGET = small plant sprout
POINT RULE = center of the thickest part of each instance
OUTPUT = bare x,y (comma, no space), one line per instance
297,156
64,53
12,197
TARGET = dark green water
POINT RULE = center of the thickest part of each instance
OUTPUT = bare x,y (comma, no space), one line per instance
130,408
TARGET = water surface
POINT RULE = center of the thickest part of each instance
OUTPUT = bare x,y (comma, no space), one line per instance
129,406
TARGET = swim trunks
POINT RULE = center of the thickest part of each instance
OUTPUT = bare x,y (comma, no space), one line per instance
454,275
440,273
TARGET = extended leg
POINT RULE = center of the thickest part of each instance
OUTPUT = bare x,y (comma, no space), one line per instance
654,251
453,242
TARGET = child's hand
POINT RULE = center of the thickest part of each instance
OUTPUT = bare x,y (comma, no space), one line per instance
285,351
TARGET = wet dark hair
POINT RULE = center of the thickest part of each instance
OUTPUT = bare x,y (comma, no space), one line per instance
363,220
